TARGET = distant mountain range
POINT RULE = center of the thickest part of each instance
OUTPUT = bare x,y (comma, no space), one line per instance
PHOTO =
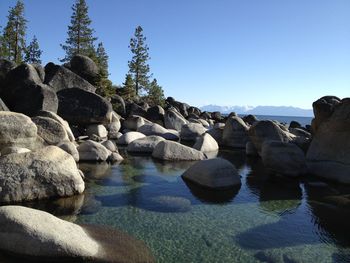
261,110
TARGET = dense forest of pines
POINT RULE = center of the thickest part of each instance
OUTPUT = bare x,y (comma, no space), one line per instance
81,39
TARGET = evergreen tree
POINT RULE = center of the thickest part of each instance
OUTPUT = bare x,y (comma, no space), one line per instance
138,67
127,91
33,52
3,48
14,44
104,85
155,94
102,60
80,36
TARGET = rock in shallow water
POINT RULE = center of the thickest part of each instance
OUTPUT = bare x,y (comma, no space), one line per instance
213,173
49,172
33,234
174,151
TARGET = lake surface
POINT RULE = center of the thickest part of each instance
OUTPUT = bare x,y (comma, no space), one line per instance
267,219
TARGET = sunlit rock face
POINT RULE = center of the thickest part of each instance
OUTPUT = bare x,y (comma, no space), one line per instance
48,172
34,234
329,152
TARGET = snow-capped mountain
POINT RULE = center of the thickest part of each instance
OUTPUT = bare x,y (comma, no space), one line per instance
261,110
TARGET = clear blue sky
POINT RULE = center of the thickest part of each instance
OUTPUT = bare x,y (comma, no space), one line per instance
225,52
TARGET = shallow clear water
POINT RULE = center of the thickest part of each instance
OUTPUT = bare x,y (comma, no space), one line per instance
269,219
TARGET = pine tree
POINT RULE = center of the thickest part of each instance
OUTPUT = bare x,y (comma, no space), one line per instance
138,67
105,87
127,92
3,49
33,52
14,43
102,60
155,94
80,36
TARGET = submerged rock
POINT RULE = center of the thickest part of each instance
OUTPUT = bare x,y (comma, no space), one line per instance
174,151
168,204
37,235
49,172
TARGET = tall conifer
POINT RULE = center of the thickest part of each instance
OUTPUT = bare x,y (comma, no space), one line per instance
80,38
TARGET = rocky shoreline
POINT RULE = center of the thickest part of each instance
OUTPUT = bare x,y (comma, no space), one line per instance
51,119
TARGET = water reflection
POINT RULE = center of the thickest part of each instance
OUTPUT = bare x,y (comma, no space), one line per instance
276,193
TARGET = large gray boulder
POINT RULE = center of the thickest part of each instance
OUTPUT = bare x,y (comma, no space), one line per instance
93,151
144,145
235,133
128,137
38,236
156,114
70,148
60,78
156,129
81,107
283,158
174,120
174,151
85,67
206,143
18,130
323,108
190,131
216,133
213,173
114,127
329,153
50,130
24,92
48,172
5,67
54,116
134,122
98,130
268,130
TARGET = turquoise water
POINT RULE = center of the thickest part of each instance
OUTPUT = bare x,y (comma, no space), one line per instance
268,219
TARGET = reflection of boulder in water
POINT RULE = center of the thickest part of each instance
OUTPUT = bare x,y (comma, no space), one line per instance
95,170
280,206
332,214
168,168
235,156
212,196
167,204
90,206
276,193
62,207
